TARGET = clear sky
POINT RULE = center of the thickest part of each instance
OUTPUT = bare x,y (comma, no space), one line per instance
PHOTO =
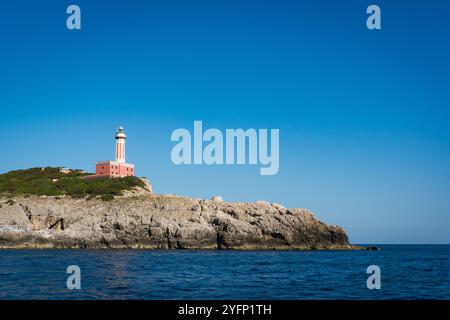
363,115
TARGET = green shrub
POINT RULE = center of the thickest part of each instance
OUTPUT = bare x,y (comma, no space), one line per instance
107,197
51,182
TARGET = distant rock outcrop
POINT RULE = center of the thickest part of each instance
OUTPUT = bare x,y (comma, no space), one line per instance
148,221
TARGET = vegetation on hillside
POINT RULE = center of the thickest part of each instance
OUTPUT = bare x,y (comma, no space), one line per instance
52,182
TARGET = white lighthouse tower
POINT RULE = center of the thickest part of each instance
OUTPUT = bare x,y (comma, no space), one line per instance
120,145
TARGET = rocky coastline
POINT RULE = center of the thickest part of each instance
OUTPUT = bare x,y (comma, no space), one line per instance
144,220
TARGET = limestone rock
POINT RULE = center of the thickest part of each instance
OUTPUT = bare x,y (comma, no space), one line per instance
217,199
153,221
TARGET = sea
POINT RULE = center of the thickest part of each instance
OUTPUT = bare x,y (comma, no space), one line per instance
405,272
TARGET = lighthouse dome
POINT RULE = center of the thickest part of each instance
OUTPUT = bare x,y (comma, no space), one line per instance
120,133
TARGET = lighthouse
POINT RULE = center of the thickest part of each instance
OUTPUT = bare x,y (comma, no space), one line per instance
120,145
117,168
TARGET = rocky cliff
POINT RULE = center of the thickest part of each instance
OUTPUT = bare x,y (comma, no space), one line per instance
149,221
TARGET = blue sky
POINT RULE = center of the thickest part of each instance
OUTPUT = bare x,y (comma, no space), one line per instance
363,115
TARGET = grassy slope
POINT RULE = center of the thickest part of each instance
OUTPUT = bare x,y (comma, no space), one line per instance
39,181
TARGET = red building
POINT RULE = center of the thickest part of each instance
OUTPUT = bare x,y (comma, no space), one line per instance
117,168
114,169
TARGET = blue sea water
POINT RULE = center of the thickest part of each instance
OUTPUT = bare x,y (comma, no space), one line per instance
407,272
